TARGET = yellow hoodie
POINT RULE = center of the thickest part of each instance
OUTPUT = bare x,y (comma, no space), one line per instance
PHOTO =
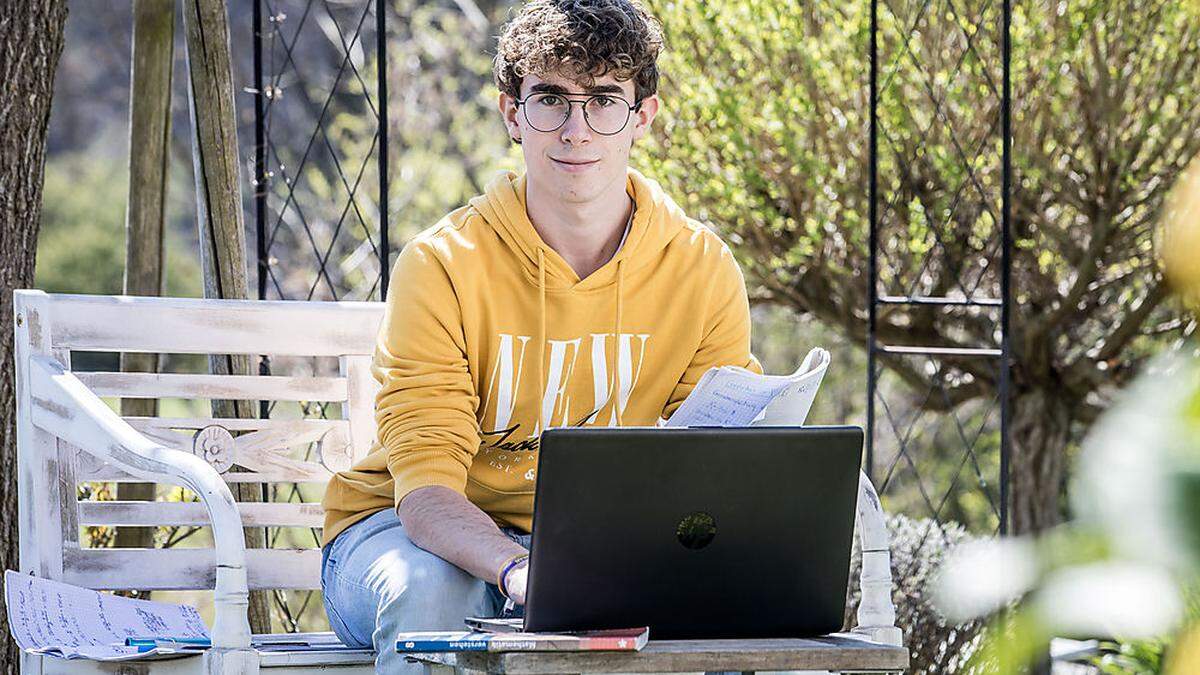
489,337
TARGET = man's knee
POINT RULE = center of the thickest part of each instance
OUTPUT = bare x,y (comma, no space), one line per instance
422,591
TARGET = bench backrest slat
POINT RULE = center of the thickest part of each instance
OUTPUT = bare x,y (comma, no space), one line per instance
241,387
187,568
189,326
193,514
304,451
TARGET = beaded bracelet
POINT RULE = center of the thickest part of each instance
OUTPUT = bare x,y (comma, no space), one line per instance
508,566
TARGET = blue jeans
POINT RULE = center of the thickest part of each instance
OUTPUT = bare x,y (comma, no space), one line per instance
377,583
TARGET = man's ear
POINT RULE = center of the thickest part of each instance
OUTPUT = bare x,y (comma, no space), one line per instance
508,114
643,117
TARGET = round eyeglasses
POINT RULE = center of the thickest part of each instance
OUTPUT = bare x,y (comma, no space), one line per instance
605,114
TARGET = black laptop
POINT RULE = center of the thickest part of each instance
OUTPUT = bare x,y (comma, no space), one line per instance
697,533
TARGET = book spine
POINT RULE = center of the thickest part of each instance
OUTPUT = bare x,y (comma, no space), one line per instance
506,643
406,646
509,645
563,644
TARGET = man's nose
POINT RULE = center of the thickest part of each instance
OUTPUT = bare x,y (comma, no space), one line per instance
575,129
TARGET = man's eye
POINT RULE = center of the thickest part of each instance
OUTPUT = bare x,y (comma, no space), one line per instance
604,101
550,100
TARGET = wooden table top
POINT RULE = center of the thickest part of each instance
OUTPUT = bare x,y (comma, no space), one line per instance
840,651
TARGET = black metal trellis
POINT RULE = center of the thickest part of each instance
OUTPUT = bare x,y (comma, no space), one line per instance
321,190
962,296
313,188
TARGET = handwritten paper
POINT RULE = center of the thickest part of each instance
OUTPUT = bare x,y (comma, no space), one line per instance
56,619
791,406
730,396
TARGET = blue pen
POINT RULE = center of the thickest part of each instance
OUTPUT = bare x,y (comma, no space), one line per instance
145,644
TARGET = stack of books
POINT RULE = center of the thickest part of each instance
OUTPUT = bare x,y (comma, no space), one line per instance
505,635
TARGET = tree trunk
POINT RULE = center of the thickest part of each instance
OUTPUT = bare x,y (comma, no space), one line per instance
1041,429
30,43
149,152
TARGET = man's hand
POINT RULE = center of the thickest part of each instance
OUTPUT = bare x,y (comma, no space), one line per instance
515,583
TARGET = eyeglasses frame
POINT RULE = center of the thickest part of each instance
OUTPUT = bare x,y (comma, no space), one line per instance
583,104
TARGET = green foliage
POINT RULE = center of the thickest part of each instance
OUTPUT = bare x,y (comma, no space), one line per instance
763,133
81,248
1131,658
746,87
1192,410
447,133
1010,643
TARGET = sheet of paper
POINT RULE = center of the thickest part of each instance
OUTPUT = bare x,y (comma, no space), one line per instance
790,407
57,619
735,397
726,397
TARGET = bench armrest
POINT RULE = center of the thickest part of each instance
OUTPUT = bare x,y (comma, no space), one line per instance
65,407
876,612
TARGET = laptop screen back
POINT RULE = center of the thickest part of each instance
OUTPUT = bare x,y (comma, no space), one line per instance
697,533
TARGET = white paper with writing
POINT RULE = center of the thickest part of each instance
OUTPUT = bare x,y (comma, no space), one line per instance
57,619
730,396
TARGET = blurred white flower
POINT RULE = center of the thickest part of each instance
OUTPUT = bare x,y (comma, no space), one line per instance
1117,599
979,578
1122,484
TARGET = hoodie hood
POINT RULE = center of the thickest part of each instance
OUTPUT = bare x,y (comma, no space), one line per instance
656,221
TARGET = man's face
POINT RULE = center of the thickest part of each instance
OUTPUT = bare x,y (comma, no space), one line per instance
574,163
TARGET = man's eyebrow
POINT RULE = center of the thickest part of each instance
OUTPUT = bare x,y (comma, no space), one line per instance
547,88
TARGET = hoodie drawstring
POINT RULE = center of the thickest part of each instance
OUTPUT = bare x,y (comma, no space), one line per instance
617,346
541,344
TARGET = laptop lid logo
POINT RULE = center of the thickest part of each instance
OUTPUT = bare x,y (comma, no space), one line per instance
696,530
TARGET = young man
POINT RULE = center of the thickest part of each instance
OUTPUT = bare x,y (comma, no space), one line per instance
575,294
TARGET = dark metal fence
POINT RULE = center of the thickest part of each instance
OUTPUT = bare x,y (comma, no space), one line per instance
320,187
940,255
321,175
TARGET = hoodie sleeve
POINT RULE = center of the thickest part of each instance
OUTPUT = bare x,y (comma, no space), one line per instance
726,340
425,408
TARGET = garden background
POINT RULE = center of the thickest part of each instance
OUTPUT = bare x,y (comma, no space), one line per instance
763,136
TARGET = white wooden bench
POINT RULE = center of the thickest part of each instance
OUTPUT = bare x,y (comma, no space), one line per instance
67,435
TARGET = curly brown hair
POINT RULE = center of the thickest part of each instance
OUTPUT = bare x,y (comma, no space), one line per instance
583,40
